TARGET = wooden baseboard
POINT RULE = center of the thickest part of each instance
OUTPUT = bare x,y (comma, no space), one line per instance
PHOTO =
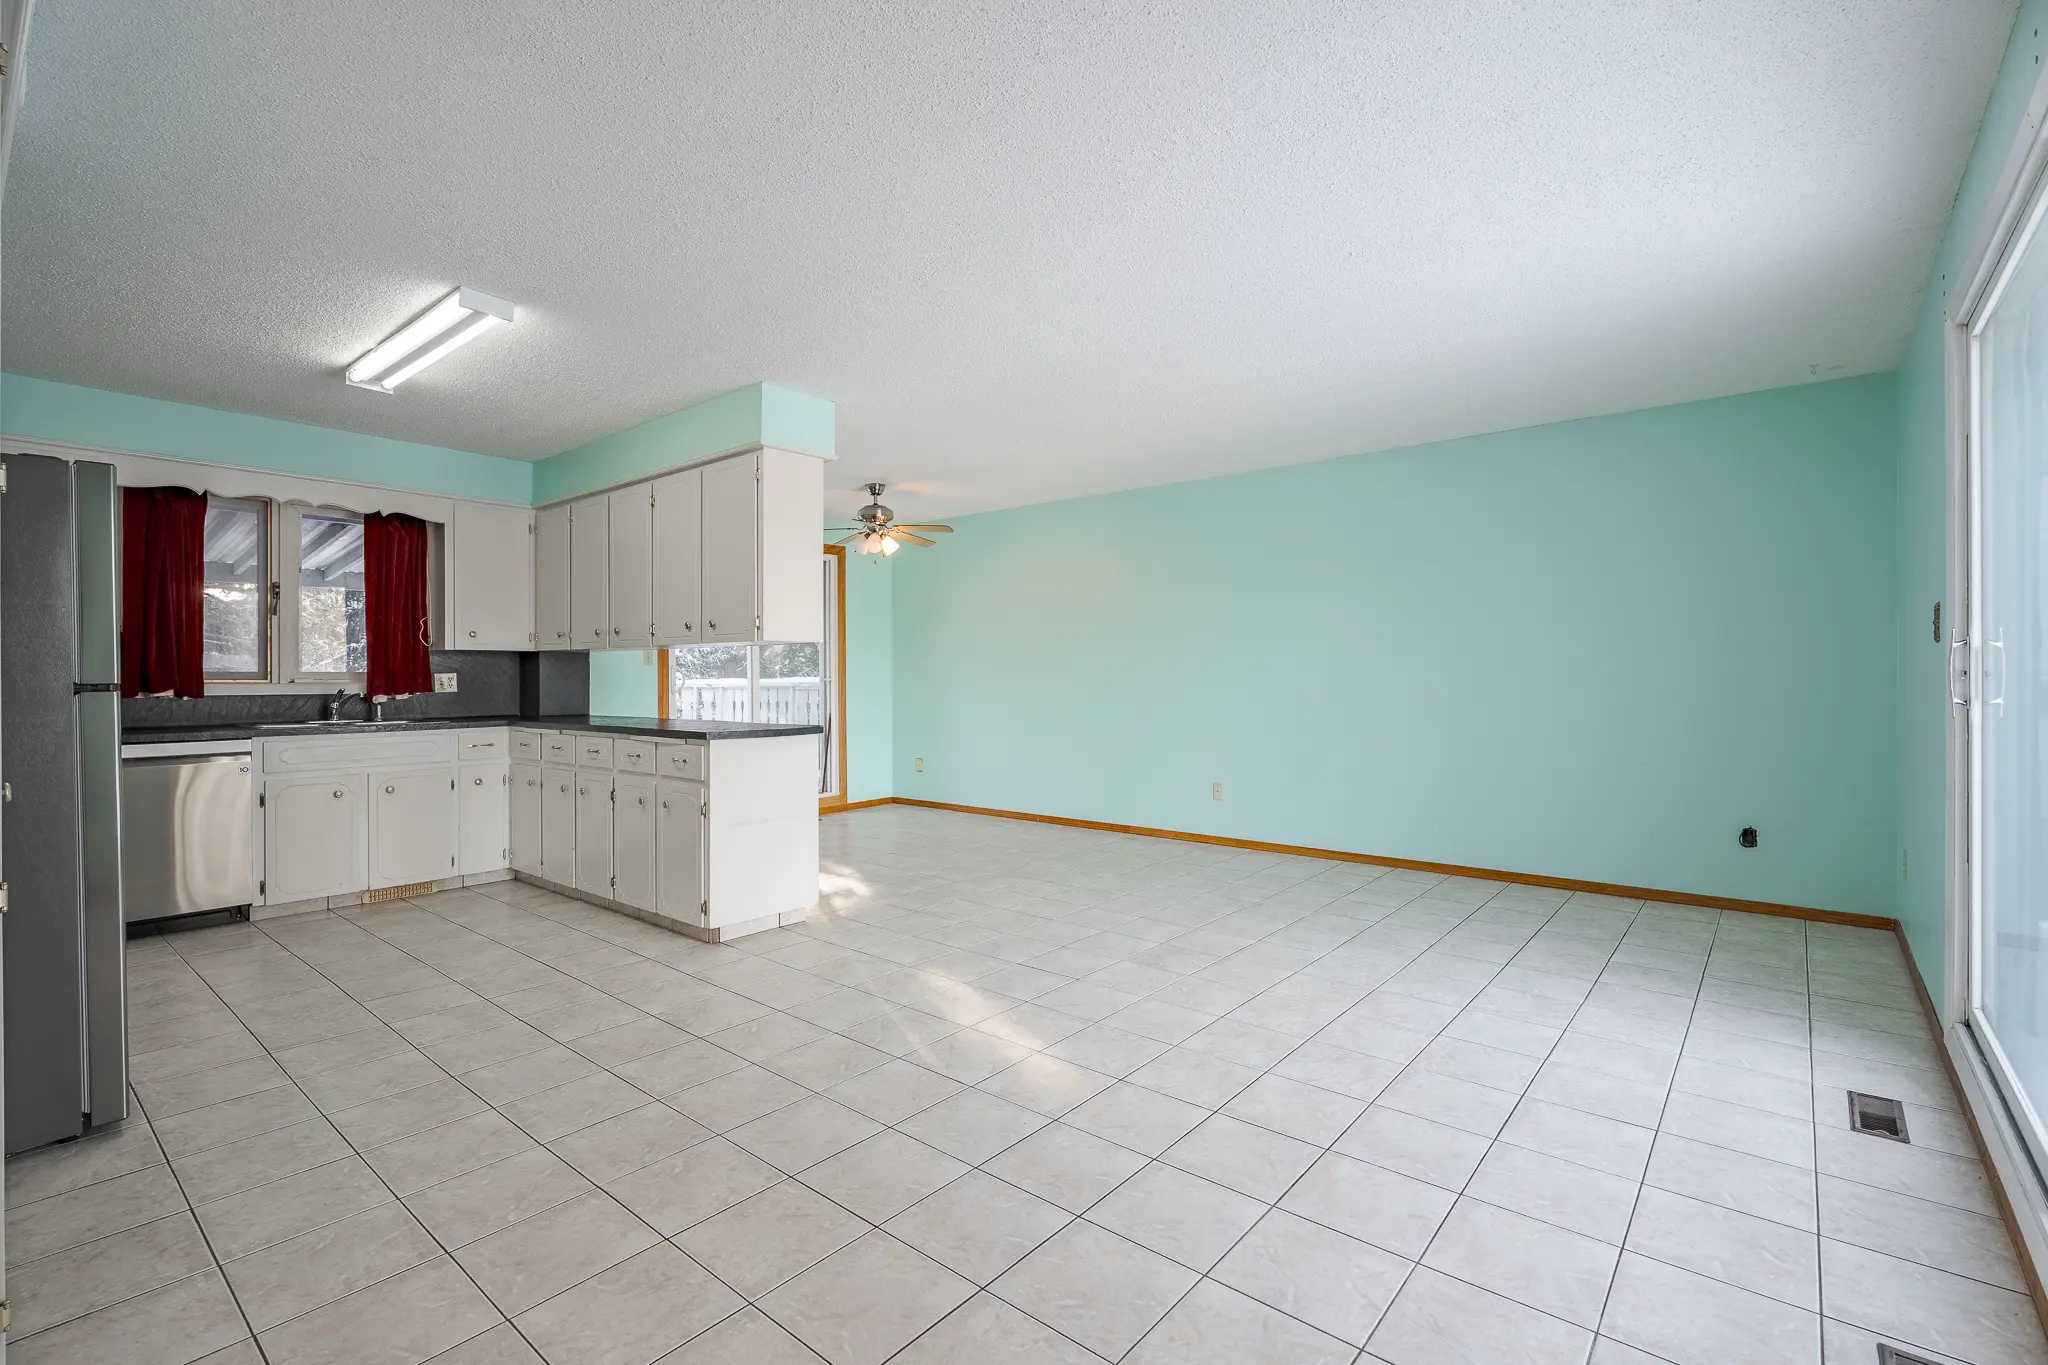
1649,893
1997,1182
829,805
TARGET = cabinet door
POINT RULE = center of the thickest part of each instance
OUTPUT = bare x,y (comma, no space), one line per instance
558,825
551,578
589,568
412,827
594,832
491,577
679,849
315,838
631,518
730,535
679,557
484,813
525,819
633,840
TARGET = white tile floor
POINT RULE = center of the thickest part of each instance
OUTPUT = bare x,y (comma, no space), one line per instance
1022,1094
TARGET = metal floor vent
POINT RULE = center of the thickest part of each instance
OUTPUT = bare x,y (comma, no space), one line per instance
1879,1117
1891,1355
398,893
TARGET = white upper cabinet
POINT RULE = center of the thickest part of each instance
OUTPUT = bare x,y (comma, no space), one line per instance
731,544
491,577
726,551
679,557
632,575
551,578
792,523
589,573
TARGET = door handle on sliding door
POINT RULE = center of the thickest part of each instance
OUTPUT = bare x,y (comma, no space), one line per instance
1959,672
1994,676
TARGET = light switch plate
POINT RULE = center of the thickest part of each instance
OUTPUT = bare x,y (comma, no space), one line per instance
444,682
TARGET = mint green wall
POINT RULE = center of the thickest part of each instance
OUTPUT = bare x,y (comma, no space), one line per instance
1922,518
1594,650
41,409
757,413
624,682
870,667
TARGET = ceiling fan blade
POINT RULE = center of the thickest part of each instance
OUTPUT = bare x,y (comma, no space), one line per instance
913,526
900,534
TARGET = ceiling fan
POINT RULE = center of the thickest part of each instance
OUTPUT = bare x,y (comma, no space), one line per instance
878,533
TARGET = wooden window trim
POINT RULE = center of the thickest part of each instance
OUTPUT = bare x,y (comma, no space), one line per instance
838,552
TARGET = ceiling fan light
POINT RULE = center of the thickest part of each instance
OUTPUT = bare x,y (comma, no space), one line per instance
889,546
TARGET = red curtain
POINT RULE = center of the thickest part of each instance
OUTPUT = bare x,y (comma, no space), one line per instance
395,605
163,579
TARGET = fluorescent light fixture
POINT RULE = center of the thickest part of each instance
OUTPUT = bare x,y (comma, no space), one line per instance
460,318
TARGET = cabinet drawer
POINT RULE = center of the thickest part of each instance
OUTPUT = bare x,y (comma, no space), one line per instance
342,752
683,760
526,746
634,755
593,751
482,746
558,748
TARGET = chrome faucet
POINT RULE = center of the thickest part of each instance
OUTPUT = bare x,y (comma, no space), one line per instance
334,703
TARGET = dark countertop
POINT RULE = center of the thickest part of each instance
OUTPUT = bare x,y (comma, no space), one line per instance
610,725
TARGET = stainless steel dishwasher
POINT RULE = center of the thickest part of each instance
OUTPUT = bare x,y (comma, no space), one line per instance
187,828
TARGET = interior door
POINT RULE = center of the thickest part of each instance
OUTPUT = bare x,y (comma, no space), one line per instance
589,573
551,578
731,535
678,556
2001,671
631,515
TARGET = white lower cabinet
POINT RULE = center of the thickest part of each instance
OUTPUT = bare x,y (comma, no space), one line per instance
594,831
633,840
679,850
316,838
558,825
484,813
525,819
412,827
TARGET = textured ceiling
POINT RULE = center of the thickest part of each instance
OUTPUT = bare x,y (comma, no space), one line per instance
1031,251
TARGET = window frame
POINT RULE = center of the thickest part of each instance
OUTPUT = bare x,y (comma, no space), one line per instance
290,532
266,614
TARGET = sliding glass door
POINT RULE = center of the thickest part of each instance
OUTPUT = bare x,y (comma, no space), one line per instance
1999,670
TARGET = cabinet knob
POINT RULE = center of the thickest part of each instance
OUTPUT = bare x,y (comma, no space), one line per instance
664,805
472,635
615,630
560,633
338,794
387,791
640,800
583,791
479,781
687,627
711,625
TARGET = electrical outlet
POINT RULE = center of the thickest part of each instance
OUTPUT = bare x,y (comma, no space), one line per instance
1216,791
647,657
444,682
920,765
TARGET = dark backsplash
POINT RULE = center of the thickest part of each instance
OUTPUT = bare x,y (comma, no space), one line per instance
491,683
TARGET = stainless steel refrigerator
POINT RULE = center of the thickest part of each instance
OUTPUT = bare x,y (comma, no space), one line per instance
60,695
